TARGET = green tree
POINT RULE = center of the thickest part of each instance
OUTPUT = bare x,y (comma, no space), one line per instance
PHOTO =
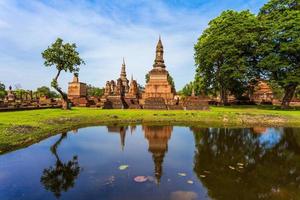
225,54
281,46
20,93
65,58
45,91
94,91
187,89
2,90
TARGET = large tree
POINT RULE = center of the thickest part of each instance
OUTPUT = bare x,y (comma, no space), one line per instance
225,54
281,47
65,58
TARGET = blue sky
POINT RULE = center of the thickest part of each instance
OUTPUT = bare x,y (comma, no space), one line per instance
105,32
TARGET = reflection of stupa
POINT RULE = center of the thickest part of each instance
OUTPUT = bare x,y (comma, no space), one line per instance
132,129
158,137
121,131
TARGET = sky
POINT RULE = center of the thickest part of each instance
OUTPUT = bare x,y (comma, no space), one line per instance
105,31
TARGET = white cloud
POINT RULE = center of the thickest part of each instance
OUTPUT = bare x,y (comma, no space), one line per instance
103,33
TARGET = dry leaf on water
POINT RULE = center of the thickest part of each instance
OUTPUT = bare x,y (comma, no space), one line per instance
123,167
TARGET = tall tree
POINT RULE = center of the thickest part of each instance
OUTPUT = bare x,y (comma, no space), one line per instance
65,58
281,47
225,54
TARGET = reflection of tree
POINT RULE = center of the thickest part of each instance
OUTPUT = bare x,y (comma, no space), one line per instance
61,176
268,173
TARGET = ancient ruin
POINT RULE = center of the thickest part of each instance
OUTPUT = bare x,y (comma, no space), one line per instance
77,92
26,100
158,90
159,93
261,92
121,94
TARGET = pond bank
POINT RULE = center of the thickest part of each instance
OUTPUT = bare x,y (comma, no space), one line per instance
23,128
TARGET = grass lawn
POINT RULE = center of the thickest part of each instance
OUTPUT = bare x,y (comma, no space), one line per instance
22,128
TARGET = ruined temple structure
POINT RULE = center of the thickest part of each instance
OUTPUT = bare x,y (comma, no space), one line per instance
132,96
158,91
158,137
77,92
27,100
194,102
121,94
11,97
261,92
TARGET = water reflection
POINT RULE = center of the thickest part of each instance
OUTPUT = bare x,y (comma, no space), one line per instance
222,163
120,130
248,163
158,137
61,176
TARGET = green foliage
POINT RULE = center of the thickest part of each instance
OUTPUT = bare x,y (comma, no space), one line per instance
20,92
45,91
297,92
2,90
187,89
281,46
278,91
62,56
147,77
94,91
225,54
65,58
171,81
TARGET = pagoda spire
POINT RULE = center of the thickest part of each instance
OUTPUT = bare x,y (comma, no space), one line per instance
123,77
122,137
159,56
123,70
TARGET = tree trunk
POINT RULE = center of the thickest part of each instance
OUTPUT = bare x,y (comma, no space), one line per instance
66,102
289,92
224,97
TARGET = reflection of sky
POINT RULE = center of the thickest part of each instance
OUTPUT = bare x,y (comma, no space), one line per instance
270,138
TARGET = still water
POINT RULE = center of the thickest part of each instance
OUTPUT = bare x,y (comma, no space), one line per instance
175,163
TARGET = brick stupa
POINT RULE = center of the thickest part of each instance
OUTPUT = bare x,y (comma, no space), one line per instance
158,90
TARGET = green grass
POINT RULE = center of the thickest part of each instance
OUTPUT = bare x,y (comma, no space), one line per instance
22,128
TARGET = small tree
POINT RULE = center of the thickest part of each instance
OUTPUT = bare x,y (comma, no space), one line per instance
45,91
2,90
94,91
65,58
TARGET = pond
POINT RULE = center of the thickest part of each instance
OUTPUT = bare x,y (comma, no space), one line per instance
156,162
